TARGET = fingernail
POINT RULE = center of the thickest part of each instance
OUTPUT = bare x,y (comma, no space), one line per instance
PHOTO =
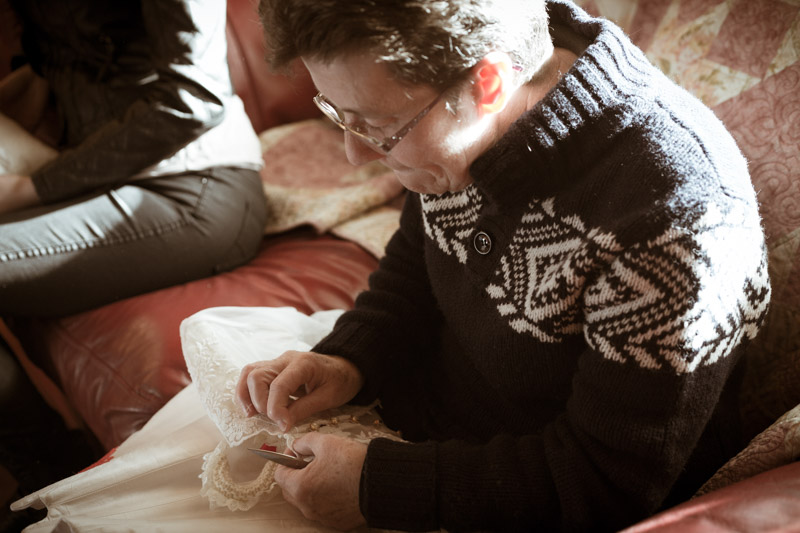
282,424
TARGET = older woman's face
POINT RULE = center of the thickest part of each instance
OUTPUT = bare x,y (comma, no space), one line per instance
433,157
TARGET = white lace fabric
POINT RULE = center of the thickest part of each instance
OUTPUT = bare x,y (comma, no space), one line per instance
217,343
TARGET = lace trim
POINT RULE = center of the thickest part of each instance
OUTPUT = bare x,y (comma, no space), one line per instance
217,343
222,490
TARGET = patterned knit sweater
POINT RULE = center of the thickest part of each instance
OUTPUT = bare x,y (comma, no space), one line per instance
556,339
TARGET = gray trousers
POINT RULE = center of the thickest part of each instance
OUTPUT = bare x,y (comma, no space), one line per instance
72,256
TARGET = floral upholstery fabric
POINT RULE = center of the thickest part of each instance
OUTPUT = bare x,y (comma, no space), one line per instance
321,189
777,445
742,58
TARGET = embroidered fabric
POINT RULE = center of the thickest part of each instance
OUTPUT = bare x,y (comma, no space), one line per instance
217,343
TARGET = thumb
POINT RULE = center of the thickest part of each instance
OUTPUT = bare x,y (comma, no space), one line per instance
306,444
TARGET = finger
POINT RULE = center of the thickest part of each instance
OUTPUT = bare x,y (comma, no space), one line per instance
242,393
306,444
259,381
281,478
282,389
254,383
285,478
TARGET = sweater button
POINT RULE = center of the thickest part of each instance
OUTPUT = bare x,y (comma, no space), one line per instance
482,243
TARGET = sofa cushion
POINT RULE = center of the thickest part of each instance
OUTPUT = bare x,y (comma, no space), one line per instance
776,446
120,363
766,502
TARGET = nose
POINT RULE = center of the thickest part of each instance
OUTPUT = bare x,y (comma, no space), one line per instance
359,152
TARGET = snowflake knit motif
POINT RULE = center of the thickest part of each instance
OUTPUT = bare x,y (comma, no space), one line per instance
449,219
674,302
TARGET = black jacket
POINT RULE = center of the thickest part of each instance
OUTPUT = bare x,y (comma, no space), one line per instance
133,81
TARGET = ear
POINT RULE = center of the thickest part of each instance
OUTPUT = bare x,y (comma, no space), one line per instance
493,82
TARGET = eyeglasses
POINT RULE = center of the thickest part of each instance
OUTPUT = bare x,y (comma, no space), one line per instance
360,130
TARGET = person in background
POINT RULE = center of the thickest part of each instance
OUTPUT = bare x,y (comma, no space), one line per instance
154,180
557,326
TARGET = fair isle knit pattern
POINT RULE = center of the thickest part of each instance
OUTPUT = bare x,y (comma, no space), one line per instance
540,279
647,307
639,310
448,220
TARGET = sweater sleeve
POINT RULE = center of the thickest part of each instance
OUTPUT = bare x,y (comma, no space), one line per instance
393,324
656,362
178,101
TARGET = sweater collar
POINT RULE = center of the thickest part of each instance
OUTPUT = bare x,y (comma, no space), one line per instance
547,147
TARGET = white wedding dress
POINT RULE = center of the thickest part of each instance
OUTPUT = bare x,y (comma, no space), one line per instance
188,468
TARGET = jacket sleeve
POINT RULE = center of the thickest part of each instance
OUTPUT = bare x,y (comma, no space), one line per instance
395,322
179,99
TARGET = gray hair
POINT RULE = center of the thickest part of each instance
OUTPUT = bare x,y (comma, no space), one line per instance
433,42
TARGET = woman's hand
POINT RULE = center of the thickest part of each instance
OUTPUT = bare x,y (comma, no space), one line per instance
296,385
17,192
327,489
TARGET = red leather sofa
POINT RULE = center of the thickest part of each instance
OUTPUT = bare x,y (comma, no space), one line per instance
115,366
